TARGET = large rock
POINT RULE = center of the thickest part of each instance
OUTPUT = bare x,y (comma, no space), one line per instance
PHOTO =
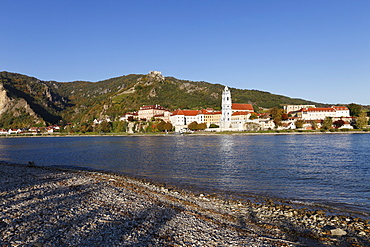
338,232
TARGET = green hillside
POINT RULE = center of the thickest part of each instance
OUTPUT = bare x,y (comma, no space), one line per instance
82,101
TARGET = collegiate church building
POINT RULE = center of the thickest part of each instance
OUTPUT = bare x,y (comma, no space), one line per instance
234,116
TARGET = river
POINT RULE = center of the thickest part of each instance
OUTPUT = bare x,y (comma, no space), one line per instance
325,169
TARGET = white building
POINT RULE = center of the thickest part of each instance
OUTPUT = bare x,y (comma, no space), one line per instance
322,113
14,131
147,112
99,121
128,116
3,132
292,108
181,118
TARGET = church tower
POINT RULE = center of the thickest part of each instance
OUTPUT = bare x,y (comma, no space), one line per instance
226,109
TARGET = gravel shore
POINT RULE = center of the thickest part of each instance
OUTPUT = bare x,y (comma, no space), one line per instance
45,206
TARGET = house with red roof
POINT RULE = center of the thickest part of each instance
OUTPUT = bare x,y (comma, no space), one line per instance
181,118
14,131
320,113
3,132
34,129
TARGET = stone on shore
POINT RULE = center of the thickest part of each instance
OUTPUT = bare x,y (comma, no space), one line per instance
55,207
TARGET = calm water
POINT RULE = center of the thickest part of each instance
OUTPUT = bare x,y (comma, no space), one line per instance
327,169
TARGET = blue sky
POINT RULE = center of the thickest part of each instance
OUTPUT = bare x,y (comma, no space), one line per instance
315,50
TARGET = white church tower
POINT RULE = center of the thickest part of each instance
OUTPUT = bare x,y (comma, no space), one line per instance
225,122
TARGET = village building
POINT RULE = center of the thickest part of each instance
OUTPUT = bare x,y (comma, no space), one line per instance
211,116
34,129
346,125
293,108
322,113
129,116
151,111
265,123
3,132
165,116
14,131
100,120
49,129
181,118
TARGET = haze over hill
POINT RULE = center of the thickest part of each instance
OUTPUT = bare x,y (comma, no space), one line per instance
26,101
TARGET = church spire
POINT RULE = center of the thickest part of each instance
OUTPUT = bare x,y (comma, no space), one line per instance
226,109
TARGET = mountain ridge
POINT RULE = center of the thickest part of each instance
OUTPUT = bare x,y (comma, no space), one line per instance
82,101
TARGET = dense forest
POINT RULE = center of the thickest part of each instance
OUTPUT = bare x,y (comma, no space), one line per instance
27,100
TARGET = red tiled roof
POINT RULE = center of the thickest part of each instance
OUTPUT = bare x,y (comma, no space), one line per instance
186,112
209,112
239,113
242,107
131,113
328,109
317,109
340,108
177,112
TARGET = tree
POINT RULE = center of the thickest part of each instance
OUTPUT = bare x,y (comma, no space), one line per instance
252,126
276,112
130,118
202,126
327,123
313,124
339,123
253,116
105,127
161,126
193,125
167,126
214,126
361,120
355,109
86,127
299,123
276,115
119,126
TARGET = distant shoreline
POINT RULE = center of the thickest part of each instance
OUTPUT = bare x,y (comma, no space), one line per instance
188,134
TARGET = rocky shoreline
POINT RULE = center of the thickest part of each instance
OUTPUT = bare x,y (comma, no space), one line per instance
46,206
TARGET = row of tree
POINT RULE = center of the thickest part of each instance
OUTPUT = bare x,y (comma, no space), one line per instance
118,127
134,126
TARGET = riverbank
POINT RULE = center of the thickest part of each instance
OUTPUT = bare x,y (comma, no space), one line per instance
45,206
267,132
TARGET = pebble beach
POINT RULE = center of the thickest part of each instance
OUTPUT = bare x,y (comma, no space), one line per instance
49,206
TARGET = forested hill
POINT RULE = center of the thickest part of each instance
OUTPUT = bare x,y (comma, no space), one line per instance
26,100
